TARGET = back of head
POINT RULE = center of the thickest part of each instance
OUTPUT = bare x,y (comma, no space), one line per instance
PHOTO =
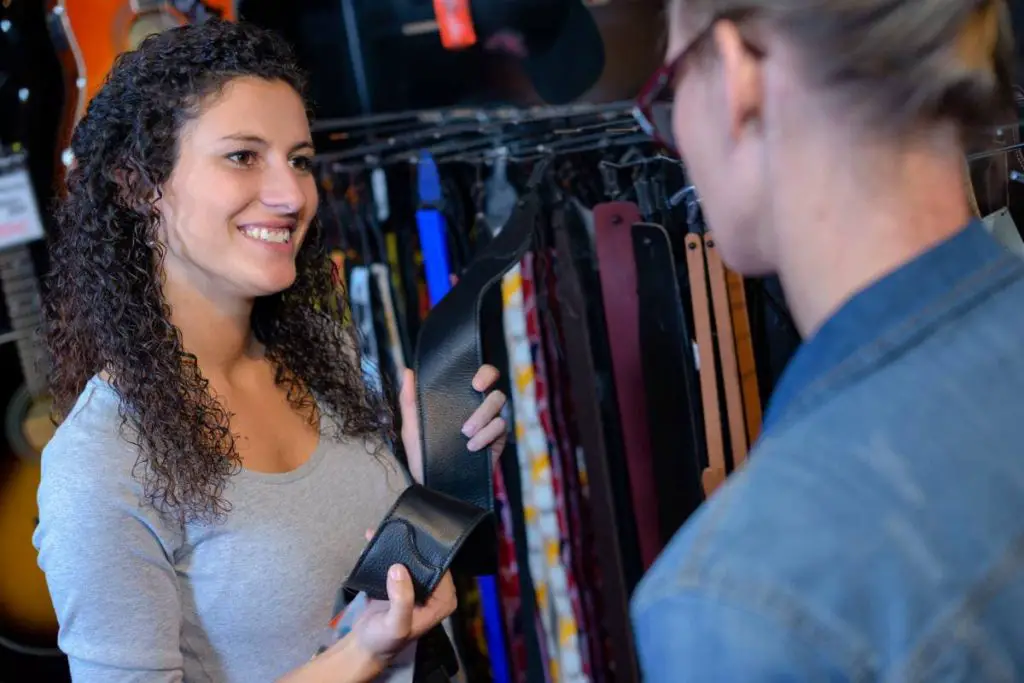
897,62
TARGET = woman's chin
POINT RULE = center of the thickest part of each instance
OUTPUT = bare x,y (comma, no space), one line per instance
269,284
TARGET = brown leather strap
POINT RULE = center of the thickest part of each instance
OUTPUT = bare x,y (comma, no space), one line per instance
727,353
715,473
617,269
745,353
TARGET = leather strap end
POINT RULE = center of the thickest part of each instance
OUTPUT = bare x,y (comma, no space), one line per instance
424,531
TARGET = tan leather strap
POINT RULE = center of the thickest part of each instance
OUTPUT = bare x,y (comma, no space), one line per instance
727,352
745,354
715,473
972,196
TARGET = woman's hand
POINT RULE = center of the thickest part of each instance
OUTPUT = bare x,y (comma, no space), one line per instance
484,427
386,627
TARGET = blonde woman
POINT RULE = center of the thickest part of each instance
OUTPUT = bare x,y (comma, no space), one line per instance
877,532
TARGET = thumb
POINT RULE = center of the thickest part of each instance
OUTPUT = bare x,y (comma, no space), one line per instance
402,600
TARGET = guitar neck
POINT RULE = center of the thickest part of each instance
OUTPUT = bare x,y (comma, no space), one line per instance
20,287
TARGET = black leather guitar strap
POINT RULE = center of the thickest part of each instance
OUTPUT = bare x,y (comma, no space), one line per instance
586,395
669,378
429,524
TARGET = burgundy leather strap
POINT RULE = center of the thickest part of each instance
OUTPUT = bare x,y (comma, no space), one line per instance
612,231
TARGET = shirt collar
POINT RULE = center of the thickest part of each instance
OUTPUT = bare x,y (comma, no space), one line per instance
880,306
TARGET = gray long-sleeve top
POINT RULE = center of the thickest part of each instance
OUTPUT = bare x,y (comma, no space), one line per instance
143,600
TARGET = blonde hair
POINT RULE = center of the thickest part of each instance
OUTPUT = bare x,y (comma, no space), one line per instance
898,62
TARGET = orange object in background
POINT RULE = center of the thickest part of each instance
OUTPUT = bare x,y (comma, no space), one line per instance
97,31
455,23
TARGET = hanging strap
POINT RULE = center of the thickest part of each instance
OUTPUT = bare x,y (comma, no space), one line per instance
745,354
727,352
586,402
669,377
429,524
612,230
715,473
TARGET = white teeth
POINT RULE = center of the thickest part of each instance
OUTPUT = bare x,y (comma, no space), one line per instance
277,235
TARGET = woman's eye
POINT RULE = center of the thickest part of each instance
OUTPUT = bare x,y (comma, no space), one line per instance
303,163
242,157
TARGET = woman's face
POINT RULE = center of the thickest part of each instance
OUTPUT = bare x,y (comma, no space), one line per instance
241,196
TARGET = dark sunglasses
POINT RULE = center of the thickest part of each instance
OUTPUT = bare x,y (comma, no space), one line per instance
653,108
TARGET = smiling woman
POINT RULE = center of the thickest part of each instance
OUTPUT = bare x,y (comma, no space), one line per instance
264,195
218,446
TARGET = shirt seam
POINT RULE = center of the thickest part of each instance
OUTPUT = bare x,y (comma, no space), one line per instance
913,666
773,603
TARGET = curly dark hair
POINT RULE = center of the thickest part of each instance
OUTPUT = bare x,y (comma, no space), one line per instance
105,309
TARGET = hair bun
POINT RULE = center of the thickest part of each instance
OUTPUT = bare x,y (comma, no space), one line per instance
980,83
978,42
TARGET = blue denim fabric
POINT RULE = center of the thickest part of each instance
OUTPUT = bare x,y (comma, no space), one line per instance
877,531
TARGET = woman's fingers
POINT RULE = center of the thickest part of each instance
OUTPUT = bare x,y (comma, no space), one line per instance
440,605
493,431
484,414
485,377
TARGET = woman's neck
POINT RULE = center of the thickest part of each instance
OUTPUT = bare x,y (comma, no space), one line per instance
847,224
218,330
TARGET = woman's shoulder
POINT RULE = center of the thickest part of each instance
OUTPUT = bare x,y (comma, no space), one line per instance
89,445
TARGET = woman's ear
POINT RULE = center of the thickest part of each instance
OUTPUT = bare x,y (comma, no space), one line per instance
742,76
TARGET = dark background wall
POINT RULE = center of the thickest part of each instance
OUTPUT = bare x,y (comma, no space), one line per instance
413,72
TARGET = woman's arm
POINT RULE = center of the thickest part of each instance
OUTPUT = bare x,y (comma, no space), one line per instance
344,662
106,559
381,632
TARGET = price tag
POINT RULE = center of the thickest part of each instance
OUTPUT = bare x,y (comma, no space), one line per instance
20,221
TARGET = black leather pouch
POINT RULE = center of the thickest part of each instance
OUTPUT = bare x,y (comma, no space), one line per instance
451,515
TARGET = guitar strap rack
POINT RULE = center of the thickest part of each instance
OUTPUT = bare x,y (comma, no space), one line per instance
452,513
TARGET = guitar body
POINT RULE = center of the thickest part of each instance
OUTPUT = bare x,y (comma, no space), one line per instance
24,598
28,624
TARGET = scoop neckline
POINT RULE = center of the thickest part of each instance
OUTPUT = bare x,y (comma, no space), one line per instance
291,475
299,472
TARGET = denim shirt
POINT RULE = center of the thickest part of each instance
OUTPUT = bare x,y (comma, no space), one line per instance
877,530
